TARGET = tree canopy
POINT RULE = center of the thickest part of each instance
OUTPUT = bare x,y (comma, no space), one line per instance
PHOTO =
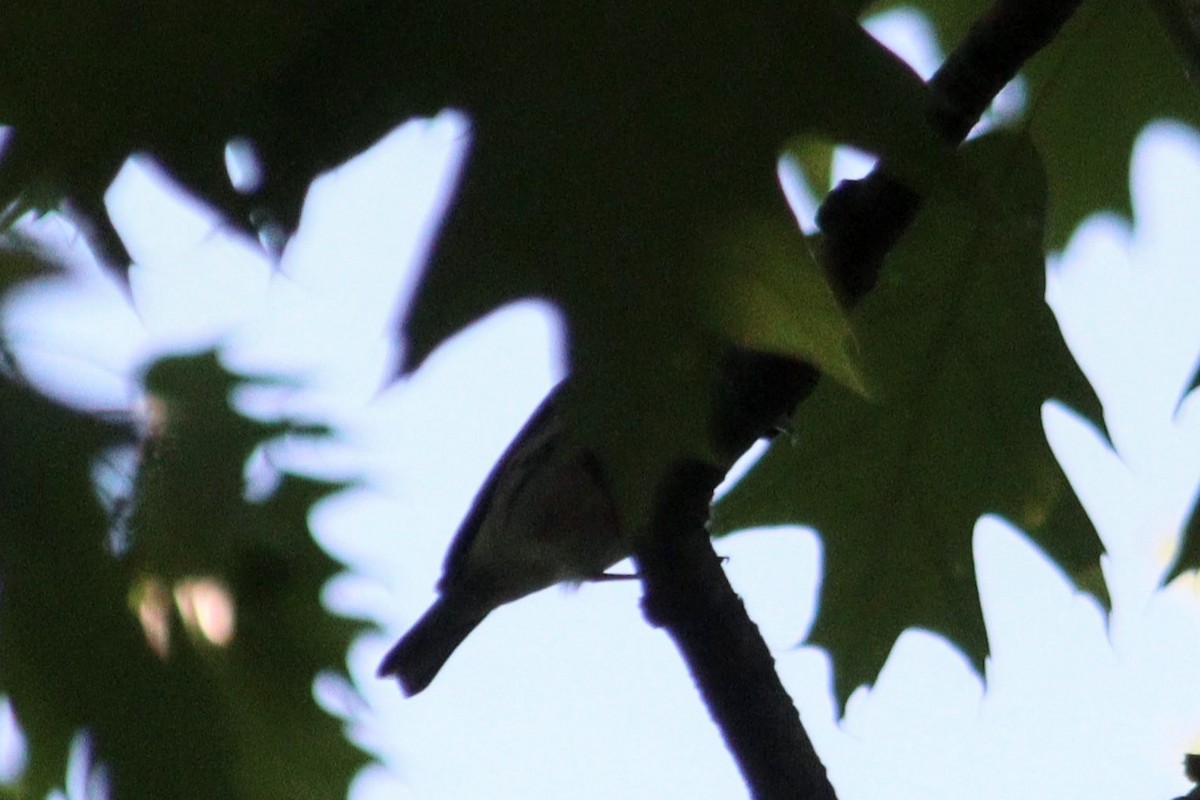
622,164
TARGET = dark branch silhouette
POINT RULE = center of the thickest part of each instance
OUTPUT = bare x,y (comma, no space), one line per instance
686,592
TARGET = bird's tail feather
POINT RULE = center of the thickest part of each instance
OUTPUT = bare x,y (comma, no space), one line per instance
417,658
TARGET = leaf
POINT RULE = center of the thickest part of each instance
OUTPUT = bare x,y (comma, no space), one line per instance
73,655
175,709
192,521
1181,21
609,194
608,141
19,261
1188,557
773,297
963,352
814,157
1109,73
311,83
859,92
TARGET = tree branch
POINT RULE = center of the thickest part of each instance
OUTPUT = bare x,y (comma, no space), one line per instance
686,591
862,220
688,594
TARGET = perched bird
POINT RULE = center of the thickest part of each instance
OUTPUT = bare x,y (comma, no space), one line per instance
543,516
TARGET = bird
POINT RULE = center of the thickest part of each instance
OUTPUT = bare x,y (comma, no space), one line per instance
544,515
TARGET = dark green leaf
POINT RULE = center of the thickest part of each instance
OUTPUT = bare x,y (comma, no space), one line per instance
814,157
73,653
963,351
606,198
180,710
1188,557
1110,72
192,522
311,83
1182,25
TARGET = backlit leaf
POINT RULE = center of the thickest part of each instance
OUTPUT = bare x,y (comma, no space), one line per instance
963,352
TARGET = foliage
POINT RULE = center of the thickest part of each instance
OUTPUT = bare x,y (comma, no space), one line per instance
955,433
623,165
77,582
1089,95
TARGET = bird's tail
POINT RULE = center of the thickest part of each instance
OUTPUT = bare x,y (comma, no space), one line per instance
417,658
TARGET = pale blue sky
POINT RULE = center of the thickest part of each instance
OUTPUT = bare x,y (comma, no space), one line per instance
569,693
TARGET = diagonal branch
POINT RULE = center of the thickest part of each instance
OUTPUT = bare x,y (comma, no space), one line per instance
686,592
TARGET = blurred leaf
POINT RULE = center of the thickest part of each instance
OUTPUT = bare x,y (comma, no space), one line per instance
310,82
1188,557
814,157
175,708
73,654
1181,21
1193,384
964,351
20,261
191,522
